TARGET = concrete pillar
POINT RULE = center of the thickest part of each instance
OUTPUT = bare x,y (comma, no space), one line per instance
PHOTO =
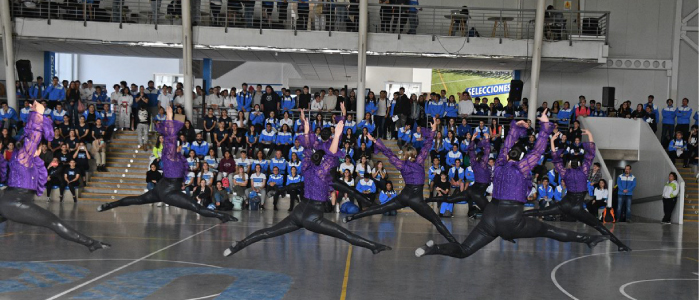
9,54
206,73
536,59
361,58
187,56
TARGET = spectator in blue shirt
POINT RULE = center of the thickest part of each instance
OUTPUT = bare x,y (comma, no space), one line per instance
278,161
268,138
54,93
405,135
244,99
454,155
367,123
275,180
109,121
367,187
669,115
24,112
451,109
257,118
434,108
200,146
463,128
545,193
626,183
684,115
8,116
560,191
565,114
678,147
388,195
288,103
36,91
412,16
417,139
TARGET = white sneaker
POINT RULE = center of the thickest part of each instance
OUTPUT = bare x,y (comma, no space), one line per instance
160,204
337,208
167,205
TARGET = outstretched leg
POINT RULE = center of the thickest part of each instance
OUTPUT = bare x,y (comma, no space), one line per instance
285,226
482,235
316,223
20,208
553,209
454,198
180,200
388,206
421,208
530,227
147,198
290,187
583,216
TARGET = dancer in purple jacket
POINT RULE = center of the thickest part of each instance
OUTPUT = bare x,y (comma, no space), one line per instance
317,169
169,189
503,216
28,178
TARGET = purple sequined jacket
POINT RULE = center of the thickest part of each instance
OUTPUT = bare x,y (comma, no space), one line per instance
27,170
481,170
413,172
174,163
512,179
317,179
576,179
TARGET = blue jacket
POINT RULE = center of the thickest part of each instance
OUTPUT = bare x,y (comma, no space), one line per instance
544,192
288,104
279,163
552,178
268,136
669,114
293,179
55,93
405,135
36,91
298,151
98,115
292,164
57,116
470,176
451,109
564,114
684,114
277,179
386,196
453,173
264,165
453,156
351,125
559,192
244,101
626,183
101,97
433,109
370,107
108,118
417,144
201,149
364,124
696,118
257,119
677,145
24,114
462,130
363,185
10,114
284,138
655,110
432,172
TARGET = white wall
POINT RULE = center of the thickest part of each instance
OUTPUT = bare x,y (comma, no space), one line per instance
254,73
36,57
376,77
110,70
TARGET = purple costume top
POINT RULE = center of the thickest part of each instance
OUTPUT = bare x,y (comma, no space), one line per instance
28,171
512,179
576,179
481,170
3,169
174,163
413,172
317,178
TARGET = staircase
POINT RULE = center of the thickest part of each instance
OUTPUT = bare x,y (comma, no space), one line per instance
126,170
691,198
393,174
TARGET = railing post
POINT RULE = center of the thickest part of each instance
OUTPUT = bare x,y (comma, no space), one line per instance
434,20
84,13
121,13
155,13
400,12
330,26
49,12
606,29
253,16
226,24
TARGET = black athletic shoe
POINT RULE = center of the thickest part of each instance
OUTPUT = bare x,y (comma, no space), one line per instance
381,248
624,248
592,241
98,245
226,218
346,219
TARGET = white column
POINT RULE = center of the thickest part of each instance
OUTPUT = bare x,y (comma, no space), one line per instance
9,54
187,57
536,59
361,58
676,41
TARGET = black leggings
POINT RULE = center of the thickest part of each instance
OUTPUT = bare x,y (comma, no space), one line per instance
410,196
169,191
309,215
572,205
18,205
505,219
474,194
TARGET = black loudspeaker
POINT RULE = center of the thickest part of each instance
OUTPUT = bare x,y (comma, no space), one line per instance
24,70
608,96
516,87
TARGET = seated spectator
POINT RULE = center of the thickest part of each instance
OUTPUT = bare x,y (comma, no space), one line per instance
257,119
600,197
64,155
211,159
597,111
152,177
221,200
457,176
692,147
296,149
57,142
240,181
182,145
363,168
188,131
72,140
284,139
387,195
202,194
275,180
71,180
158,152
465,142
367,187
200,146
364,139
210,122
559,191
206,174
454,155
442,188
82,158
261,161
258,185
226,169
575,150
279,162
350,124
437,150
565,114
639,113
244,162
379,175
292,178
347,178
677,148
405,135
236,140
8,116
193,161
251,140
553,177
347,151
363,150
417,140
189,184
545,193
54,172
219,137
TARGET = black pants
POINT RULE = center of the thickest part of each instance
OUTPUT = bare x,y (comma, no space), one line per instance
169,191
593,208
474,194
309,215
690,156
108,133
282,8
572,205
71,186
505,219
410,196
668,207
18,205
380,123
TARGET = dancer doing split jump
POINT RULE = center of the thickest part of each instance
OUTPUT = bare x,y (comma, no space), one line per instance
169,189
413,172
504,215
28,177
317,168
575,177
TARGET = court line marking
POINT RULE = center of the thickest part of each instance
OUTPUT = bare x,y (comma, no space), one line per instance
694,259
553,272
622,289
345,280
123,259
127,265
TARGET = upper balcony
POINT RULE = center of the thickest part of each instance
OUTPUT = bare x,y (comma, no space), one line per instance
402,36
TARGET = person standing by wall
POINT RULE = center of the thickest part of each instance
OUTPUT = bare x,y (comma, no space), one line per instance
626,183
684,116
670,192
669,114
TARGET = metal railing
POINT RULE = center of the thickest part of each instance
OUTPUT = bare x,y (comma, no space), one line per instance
330,16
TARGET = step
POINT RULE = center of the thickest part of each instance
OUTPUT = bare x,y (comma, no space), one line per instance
102,196
116,185
132,167
122,180
132,160
107,190
126,154
112,172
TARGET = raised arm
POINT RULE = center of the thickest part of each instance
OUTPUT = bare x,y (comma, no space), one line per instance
532,158
428,137
37,126
392,158
589,147
517,130
557,161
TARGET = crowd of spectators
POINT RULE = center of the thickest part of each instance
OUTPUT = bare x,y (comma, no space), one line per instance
245,143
